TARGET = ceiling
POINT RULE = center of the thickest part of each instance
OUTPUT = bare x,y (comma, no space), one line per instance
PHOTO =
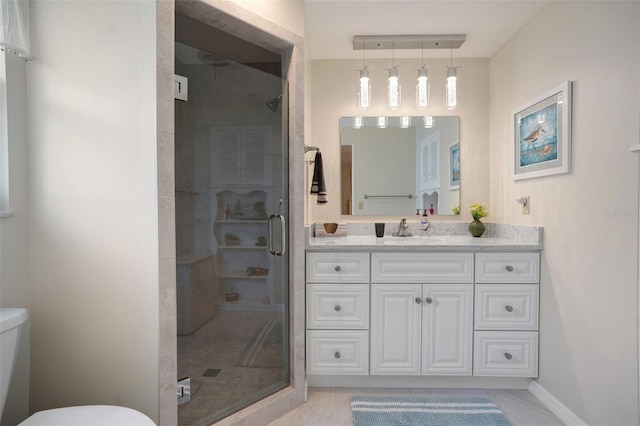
331,24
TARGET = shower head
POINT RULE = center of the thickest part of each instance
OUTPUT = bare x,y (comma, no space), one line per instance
213,60
273,103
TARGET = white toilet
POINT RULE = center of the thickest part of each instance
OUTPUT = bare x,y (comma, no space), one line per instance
11,321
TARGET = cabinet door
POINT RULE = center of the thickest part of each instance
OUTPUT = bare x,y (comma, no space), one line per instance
395,328
447,326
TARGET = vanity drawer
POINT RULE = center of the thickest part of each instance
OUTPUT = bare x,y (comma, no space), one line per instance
493,268
337,352
338,267
506,307
338,306
508,354
422,268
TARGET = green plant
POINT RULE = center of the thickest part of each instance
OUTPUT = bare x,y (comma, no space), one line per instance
478,210
456,210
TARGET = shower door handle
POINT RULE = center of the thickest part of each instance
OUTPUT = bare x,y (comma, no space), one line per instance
283,234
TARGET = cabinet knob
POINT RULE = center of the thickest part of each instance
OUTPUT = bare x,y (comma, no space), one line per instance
418,300
508,308
337,355
338,268
428,300
509,268
507,355
338,308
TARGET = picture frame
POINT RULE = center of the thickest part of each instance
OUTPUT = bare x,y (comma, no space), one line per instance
541,131
454,166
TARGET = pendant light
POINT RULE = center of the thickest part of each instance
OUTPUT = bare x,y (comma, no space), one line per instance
364,93
452,85
405,122
422,88
393,86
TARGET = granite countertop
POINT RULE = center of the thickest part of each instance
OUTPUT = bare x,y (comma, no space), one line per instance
450,237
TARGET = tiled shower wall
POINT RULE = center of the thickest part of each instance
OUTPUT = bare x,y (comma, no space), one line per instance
237,21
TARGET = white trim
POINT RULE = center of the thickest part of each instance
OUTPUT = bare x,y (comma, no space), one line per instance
554,405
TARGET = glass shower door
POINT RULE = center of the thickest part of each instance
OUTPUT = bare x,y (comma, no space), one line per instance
231,232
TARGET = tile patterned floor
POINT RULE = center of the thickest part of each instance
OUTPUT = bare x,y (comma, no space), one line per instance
218,345
331,406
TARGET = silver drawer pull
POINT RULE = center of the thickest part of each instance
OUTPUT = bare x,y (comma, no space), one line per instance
509,268
418,300
338,268
508,308
428,300
507,355
338,308
337,355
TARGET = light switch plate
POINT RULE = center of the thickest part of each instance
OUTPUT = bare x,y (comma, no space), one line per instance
526,206
180,87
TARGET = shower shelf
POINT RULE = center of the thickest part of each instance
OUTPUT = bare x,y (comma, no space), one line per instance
242,276
242,247
236,221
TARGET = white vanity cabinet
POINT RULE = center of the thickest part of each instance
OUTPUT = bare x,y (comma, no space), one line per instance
421,329
338,313
506,314
394,315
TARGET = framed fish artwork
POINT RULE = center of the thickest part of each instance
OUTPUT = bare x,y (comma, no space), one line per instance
542,134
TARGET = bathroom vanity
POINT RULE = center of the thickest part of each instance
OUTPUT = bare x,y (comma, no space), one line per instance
391,311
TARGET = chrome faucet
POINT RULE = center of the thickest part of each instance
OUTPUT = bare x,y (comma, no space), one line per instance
403,229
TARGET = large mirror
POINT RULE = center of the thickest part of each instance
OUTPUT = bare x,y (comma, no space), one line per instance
400,165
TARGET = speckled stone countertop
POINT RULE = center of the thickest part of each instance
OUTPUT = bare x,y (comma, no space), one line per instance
451,236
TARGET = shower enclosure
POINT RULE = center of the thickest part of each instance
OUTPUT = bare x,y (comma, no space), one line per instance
231,173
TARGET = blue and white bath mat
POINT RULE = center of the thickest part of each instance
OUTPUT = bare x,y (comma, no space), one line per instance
387,411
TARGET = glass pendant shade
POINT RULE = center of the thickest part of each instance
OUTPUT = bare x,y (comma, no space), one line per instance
357,122
428,121
382,122
393,89
364,94
452,89
422,89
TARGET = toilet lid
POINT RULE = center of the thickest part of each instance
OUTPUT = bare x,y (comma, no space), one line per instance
89,415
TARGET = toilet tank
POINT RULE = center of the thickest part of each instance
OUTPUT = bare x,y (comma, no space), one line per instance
11,320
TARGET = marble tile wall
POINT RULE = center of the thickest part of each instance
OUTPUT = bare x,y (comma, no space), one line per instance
233,19
168,409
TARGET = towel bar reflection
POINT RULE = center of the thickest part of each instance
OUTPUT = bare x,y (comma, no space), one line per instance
387,196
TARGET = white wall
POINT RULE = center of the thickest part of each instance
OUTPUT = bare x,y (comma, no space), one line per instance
93,204
288,14
334,86
588,332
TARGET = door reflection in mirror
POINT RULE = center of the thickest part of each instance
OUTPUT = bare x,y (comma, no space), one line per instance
400,170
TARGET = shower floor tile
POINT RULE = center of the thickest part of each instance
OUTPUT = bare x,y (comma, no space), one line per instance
209,356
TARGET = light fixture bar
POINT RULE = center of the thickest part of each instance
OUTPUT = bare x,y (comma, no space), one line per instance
435,41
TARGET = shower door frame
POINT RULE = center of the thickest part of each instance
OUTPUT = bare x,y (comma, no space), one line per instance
246,25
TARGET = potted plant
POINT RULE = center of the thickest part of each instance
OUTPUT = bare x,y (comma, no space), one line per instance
478,211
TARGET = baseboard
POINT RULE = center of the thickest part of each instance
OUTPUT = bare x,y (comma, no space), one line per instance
554,405
450,382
